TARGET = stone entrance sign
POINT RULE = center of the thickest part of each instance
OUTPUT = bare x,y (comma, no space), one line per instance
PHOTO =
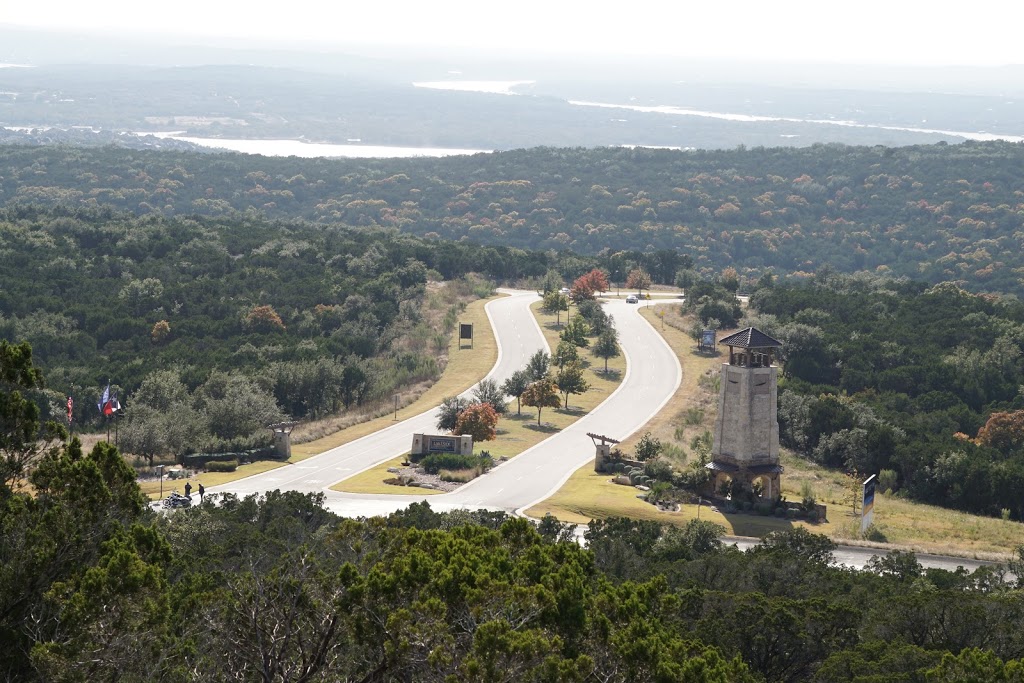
425,444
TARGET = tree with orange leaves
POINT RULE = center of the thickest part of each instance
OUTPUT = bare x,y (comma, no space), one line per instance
1003,431
479,420
585,286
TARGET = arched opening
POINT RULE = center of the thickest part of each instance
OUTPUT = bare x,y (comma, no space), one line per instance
723,485
764,488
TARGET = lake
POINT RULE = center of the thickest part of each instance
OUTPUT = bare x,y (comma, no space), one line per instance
309,150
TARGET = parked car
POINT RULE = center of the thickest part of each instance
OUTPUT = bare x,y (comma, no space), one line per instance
631,299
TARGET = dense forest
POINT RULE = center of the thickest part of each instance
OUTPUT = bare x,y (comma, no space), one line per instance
217,327
276,588
936,213
96,585
922,384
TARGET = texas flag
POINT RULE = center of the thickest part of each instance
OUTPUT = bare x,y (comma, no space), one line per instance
108,404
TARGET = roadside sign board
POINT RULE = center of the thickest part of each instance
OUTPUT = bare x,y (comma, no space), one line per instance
466,332
867,512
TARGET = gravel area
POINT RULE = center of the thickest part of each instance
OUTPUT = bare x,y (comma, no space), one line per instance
418,475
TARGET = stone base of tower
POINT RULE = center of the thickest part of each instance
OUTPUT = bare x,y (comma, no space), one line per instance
766,478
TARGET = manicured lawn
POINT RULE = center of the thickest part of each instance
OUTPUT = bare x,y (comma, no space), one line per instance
517,432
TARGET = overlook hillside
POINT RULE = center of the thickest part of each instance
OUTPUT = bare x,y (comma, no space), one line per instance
935,213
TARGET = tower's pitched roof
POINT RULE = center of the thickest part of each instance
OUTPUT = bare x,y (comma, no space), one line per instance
750,338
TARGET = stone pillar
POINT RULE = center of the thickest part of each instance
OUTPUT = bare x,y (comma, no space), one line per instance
603,452
283,443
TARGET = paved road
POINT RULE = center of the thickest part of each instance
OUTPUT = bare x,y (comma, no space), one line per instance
858,556
518,336
652,377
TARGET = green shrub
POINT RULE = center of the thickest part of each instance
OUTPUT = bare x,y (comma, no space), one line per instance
222,466
432,464
888,481
658,469
484,461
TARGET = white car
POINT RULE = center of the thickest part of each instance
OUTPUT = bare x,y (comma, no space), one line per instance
631,299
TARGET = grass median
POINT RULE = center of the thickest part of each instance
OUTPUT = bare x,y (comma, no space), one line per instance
517,431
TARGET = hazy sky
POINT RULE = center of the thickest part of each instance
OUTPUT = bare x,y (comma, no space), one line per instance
867,31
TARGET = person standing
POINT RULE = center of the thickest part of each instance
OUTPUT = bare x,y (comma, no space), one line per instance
188,490
202,491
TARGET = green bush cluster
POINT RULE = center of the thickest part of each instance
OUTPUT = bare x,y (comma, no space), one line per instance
434,463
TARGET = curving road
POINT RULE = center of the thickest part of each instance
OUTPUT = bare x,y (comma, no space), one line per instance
518,337
652,377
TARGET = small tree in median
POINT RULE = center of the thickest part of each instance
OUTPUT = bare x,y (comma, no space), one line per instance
515,386
607,346
576,331
448,413
555,302
571,381
479,420
488,391
565,352
542,394
538,365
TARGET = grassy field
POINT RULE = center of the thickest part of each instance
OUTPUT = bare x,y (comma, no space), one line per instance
465,368
516,432
924,528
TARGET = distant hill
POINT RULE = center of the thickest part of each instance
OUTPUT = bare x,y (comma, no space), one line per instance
300,92
941,212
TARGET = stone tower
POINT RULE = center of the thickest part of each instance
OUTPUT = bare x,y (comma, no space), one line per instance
746,438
